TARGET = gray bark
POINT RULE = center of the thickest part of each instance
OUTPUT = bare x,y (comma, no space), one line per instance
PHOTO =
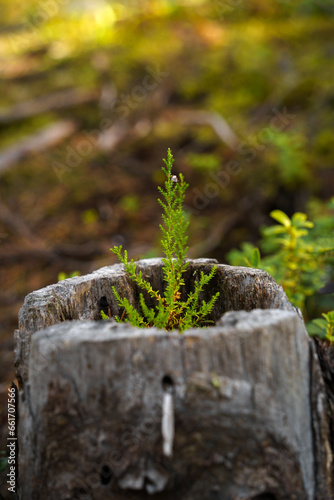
252,404
244,416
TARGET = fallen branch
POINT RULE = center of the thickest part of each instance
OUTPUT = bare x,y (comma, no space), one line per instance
36,143
224,225
214,120
14,222
120,130
74,253
113,136
67,98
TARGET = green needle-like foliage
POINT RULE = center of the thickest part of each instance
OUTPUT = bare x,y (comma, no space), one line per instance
170,311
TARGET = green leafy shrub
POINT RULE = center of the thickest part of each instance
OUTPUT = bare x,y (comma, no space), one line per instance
170,311
294,259
322,327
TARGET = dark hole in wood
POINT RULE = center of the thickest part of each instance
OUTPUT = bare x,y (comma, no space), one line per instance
105,475
148,481
167,383
149,485
103,305
265,496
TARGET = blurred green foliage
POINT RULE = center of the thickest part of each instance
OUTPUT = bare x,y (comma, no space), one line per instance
63,276
323,327
130,203
204,162
90,216
289,159
264,67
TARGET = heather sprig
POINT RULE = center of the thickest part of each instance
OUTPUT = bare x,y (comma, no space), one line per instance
170,312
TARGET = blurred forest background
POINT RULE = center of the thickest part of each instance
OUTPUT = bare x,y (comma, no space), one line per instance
92,94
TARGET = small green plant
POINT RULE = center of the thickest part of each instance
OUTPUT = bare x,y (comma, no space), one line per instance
322,327
63,276
169,312
293,259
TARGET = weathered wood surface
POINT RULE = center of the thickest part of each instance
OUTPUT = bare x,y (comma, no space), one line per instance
251,411
323,401
83,297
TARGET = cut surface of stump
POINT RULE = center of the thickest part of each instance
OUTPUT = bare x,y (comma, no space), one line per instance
249,410
84,297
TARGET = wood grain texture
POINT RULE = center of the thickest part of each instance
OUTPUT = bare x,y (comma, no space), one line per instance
244,416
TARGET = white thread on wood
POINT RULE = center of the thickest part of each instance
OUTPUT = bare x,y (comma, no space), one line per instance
167,424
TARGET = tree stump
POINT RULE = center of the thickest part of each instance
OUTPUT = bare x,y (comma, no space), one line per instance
239,410
84,297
